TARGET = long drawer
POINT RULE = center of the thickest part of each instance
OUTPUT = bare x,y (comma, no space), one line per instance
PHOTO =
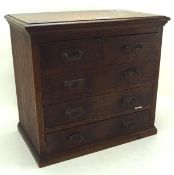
96,106
79,136
63,86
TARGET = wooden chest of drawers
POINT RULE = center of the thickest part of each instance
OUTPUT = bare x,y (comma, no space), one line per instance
86,80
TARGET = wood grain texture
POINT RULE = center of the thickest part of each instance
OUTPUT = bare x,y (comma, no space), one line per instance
52,17
25,87
87,149
95,107
91,133
96,52
85,83
78,16
68,54
155,88
37,21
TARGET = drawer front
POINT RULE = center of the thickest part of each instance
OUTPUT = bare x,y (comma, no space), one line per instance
55,88
70,54
76,137
123,49
95,107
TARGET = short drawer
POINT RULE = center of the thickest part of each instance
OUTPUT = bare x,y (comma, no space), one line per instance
58,87
88,134
97,106
124,49
70,54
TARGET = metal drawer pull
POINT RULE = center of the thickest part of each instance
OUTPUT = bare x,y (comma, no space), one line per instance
129,125
132,49
71,84
74,112
72,55
125,48
137,48
75,138
130,101
130,73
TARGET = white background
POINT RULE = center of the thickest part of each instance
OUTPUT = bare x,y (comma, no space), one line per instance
152,155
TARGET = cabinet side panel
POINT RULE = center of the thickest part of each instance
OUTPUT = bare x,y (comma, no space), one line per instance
155,90
25,89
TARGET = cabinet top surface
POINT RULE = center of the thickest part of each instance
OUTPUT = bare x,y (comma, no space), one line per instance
77,16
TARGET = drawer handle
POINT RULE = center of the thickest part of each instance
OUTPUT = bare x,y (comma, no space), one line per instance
75,138
71,84
126,48
129,125
130,73
74,112
137,48
132,49
72,55
130,101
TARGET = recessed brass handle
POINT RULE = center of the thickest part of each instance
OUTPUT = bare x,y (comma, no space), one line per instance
126,48
73,113
72,55
75,138
130,101
129,125
131,73
135,49
72,84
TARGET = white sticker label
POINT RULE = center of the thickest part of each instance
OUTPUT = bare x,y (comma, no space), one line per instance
138,107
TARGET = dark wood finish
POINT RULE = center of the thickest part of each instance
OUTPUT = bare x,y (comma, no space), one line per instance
79,136
25,86
85,81
78,54
68,54
126,17
86,149
58,87
76,16
137,48
96,106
